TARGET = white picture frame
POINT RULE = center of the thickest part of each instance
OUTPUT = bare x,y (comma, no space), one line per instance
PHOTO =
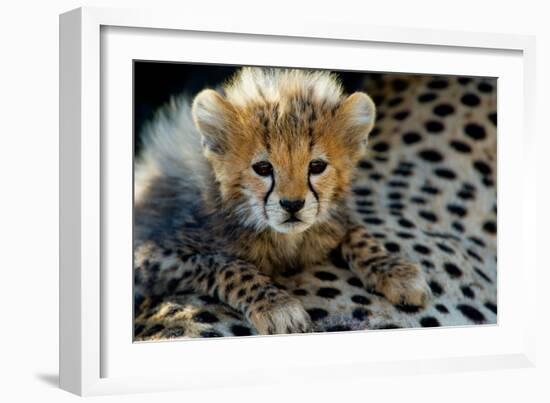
96,354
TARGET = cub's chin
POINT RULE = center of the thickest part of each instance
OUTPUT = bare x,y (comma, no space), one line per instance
290,227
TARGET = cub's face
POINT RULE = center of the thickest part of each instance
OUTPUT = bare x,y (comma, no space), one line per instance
290,185
283,164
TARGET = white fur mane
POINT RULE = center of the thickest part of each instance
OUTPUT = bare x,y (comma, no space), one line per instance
253,84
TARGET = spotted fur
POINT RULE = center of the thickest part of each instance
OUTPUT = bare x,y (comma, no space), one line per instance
424,195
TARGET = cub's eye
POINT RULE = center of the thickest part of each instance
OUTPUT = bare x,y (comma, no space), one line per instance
263,168
317,167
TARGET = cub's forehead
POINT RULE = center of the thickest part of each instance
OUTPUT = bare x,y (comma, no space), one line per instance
295,128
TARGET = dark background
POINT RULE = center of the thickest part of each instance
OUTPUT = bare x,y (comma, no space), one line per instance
156,82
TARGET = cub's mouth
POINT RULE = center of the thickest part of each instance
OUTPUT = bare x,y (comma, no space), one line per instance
292,219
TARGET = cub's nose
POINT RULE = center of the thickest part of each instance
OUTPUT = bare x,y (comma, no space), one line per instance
292,206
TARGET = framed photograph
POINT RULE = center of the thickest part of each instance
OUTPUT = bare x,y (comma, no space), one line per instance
238,197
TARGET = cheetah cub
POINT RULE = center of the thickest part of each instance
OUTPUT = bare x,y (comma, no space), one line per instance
252,180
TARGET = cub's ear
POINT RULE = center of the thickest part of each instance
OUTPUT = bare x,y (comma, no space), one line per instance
212,115
357,115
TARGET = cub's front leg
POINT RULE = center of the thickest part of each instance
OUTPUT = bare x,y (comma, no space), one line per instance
399,280
161,272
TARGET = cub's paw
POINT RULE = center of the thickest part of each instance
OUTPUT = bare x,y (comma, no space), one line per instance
287,316
404,283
